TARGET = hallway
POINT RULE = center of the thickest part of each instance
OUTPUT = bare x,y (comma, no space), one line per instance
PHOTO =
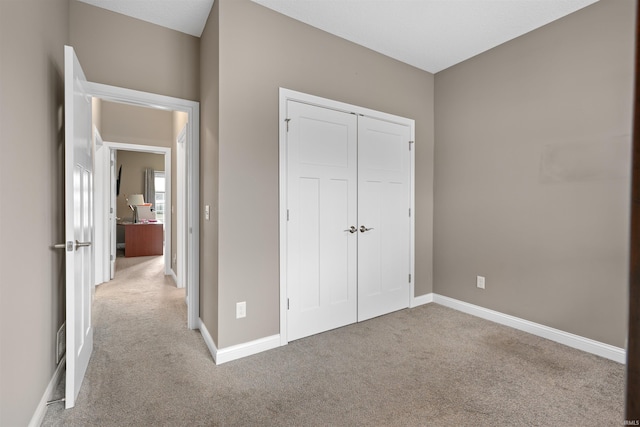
138,317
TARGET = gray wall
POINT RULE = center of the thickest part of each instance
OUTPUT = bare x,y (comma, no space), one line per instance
32,36
532,174
260,51
209,150
121,51
136,125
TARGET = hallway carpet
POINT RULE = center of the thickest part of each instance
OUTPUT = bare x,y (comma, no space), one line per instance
427,366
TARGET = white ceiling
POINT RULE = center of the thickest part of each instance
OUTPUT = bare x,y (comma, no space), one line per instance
186,16
429,34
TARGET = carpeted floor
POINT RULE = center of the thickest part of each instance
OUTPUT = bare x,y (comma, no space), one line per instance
427,366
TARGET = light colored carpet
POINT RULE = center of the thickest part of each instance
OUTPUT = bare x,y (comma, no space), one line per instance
427,366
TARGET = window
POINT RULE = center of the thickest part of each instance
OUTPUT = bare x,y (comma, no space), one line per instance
159,201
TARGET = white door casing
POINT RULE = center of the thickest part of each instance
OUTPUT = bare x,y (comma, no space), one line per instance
322,185
181,223
384,209
113,207
384,261
78,225
192,109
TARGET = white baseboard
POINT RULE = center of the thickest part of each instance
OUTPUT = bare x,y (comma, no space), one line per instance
239,351
421,300
41,409
247,349
174,277
607,351
207,339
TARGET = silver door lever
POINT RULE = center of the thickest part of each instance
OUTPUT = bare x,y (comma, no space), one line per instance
363,228
352,229
69,245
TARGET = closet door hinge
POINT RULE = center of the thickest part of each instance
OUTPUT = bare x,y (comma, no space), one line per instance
287,122
409,278
287,214
287,303
410,142
409,211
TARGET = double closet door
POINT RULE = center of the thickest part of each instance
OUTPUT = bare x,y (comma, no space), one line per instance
348,228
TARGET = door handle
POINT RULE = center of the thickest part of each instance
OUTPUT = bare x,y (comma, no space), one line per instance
82,244
363,228
352,229
70,245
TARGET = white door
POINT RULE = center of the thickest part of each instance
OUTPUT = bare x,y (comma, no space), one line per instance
383,217
113,221
78,225
181,223
322,203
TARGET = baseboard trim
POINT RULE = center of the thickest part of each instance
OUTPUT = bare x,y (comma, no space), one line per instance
208,340
41,409
247,349
174,277
601,349
421,300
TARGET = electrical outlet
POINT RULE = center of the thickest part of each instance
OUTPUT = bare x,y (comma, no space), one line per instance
480,282
241,310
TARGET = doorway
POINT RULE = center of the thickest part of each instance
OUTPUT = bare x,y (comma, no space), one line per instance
190,168
121,170
346,205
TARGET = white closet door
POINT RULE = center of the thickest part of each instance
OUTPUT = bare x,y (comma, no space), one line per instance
383,208
322,203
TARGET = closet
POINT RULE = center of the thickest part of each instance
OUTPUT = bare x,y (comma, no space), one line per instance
348,197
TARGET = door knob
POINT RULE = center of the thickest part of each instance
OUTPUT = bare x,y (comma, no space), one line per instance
363,228
352,229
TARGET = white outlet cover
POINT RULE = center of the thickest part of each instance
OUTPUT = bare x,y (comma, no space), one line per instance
480,282
241,310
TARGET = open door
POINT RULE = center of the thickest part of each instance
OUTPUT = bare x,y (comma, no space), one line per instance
115,185
78,224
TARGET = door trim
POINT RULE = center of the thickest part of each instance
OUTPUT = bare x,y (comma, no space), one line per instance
286,95
166,153
192,108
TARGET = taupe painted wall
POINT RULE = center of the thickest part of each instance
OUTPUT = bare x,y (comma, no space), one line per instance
121,51
32,38
532,174
260,51
209,148
136,125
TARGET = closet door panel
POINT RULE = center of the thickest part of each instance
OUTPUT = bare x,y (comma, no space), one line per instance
383,215
322,203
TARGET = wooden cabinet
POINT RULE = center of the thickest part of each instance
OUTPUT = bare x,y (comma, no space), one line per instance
143,239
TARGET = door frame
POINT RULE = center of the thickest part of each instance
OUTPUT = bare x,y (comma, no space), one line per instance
192,108
286,95
151,149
